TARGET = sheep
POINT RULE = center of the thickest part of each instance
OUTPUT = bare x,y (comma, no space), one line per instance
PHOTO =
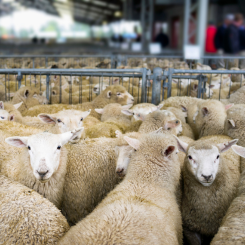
28,218
211,117
144,200
64,121
112,94
232,230
236,98
30,96
139,111
112,119
234,126
165,119
187,130
90,176
211,175
10,112
41,165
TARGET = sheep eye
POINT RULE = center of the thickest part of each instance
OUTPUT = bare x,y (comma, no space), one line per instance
58,120
168,128
190,157
133,113
58,148
82,119
177,121
217,157
2,117
29,148
118,93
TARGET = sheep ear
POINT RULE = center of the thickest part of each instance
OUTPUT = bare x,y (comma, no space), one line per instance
17,141
132,142
86,113
71,135
170,149
100,111
195,87
232,123
182,146
205,111
11,118
183,108
239,150
158,131
227,107
159,107
16,106
26,93
172,124
127,112
226,146
126,107
109,94
47,118
1,105
115,81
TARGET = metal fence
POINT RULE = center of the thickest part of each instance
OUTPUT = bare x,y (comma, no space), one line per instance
214,84
72,86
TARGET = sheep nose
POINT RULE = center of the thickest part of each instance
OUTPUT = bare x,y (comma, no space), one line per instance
120,172
207,177
132,99
42,173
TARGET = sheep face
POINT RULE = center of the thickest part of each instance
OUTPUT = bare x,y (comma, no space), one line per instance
99,87
66,120
4,115
118,94
40,98
124,154
204,164
44,150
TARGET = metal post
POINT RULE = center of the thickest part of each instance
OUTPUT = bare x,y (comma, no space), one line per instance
143,10
47,87
151,18
144,86
170,73
156,86
19,77
33,63
186,22
201,23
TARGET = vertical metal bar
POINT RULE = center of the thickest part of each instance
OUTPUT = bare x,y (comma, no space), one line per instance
201,23
186,22
5,88
143,10
170,73
47,87
60,89
220,86
70,90
19,79
46,62
156,86
151,17
144,83
33,63
199,88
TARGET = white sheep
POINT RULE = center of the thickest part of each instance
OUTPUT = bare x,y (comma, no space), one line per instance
40,164
27,217
211,175
142,209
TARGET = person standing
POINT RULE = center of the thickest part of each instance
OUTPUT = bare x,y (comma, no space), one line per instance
220,37
162,38
232,39
210,34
